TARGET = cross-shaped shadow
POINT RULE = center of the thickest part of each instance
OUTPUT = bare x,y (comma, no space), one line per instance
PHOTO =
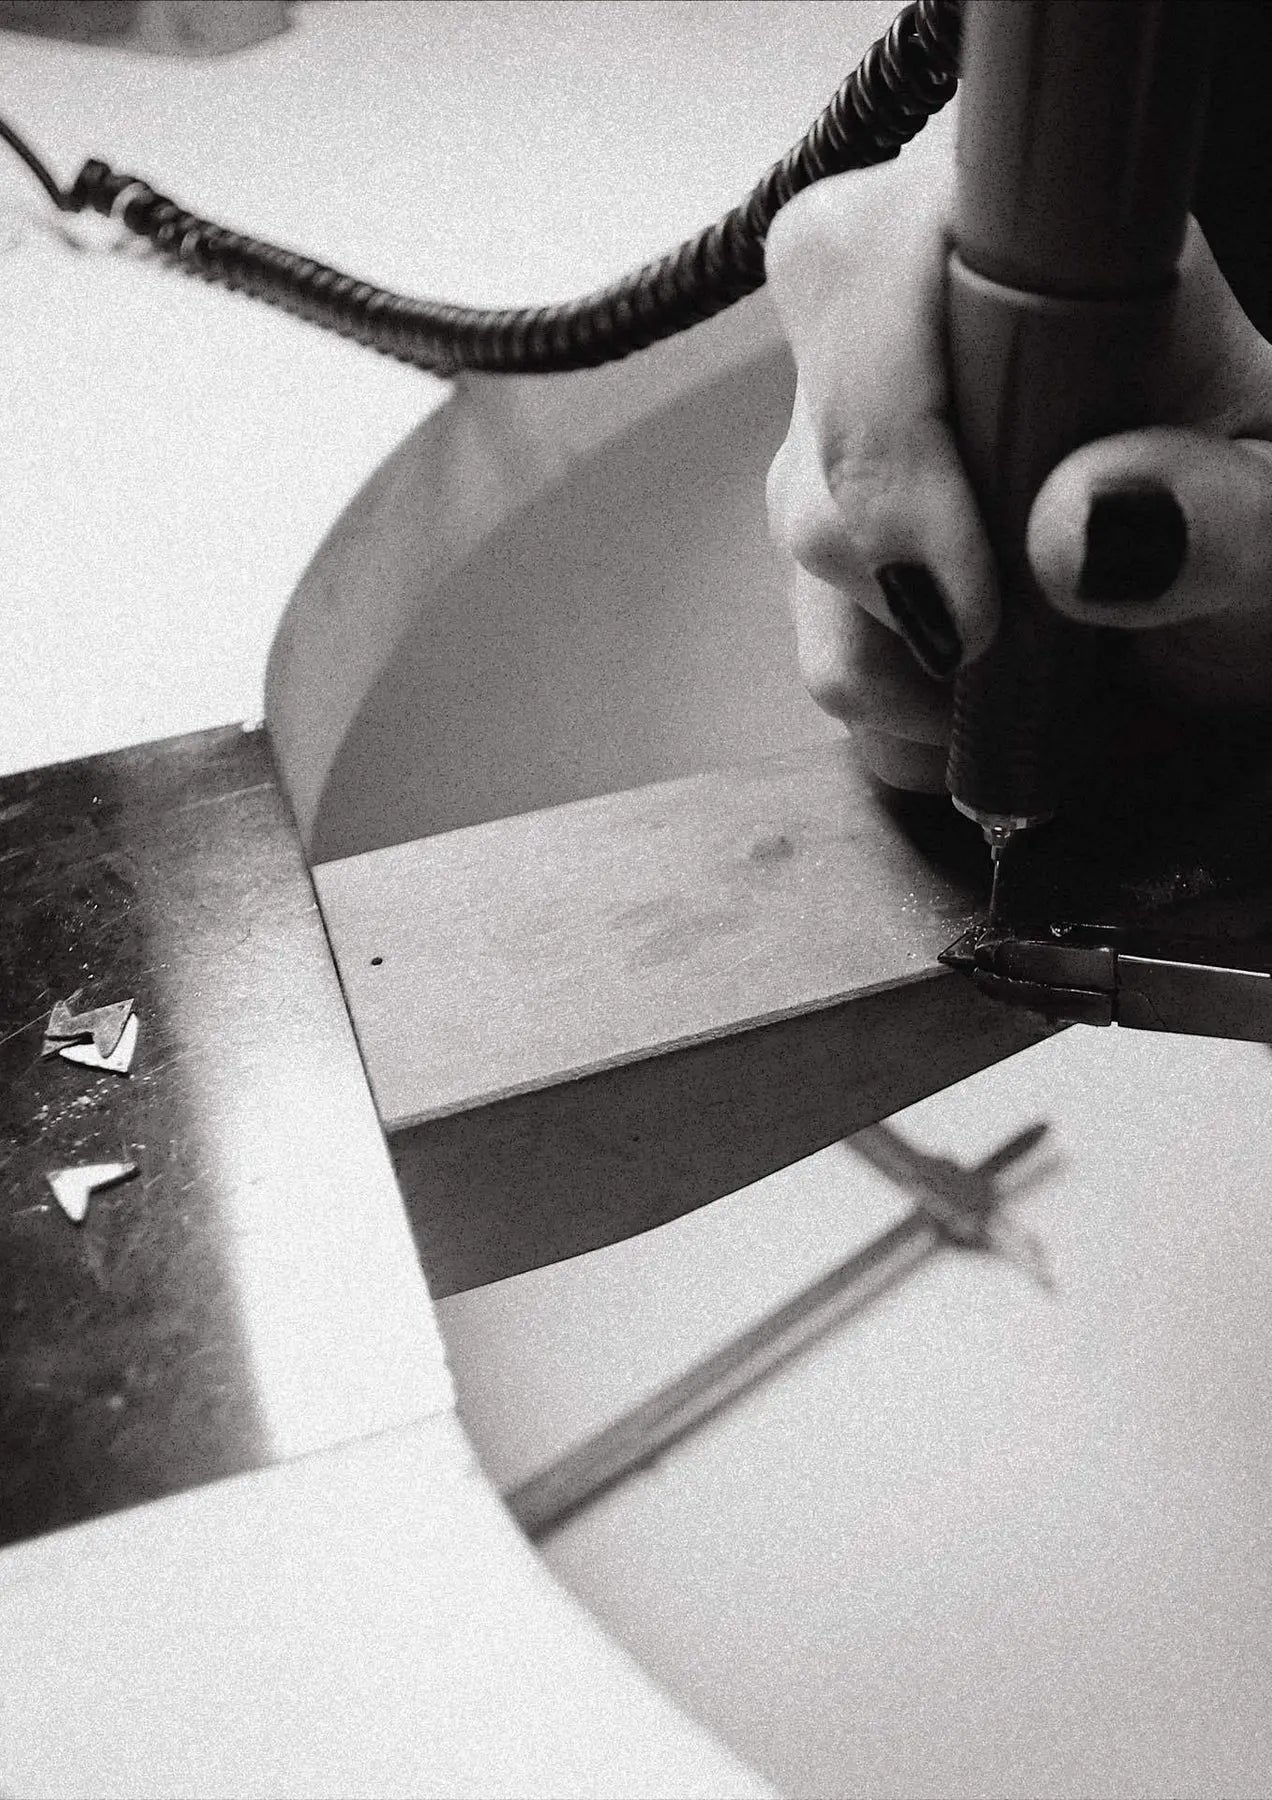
967,1202
956,1205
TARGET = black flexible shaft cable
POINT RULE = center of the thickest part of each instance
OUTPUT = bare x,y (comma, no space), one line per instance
909,74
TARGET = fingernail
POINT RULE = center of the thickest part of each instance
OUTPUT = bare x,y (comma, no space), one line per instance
1136,544
921,614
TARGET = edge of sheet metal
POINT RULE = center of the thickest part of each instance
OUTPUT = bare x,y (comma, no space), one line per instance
584,1022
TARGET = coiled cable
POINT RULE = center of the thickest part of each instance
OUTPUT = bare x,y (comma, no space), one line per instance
904,78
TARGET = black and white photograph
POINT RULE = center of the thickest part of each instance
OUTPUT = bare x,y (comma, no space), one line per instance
635,900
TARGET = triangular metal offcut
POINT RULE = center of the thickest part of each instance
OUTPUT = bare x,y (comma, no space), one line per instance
73,1188
103,1024
118,1062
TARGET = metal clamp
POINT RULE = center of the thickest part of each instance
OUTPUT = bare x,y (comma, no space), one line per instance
1104,976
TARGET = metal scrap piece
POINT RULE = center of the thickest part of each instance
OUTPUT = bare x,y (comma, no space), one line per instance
103,1024
73,1188
119,1062
957,1206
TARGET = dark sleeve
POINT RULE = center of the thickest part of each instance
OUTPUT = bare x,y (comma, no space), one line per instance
1234,191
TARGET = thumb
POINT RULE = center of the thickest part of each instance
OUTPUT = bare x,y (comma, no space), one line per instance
1153,527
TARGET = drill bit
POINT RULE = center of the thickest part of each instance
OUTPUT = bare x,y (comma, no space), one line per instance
995,882
998,837
998,830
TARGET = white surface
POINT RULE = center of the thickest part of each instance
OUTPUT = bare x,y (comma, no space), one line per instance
986,1541
992,1544
172,457
172,453
328,1630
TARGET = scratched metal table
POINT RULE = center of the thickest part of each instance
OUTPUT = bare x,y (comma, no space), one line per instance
197,1322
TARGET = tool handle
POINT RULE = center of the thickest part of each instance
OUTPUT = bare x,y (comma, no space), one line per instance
1079,130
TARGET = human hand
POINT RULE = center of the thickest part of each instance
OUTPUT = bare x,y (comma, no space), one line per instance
1164,533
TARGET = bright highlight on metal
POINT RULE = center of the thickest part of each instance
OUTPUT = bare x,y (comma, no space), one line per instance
105,1025
119,1061
74,1188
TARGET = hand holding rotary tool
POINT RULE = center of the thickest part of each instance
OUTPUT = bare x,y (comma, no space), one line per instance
1030,447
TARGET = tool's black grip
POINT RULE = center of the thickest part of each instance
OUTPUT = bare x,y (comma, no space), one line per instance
1036,377
1078,135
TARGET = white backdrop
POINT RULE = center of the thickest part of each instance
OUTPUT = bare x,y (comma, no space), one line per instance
988,1542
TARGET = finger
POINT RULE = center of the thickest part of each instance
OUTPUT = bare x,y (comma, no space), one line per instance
859,672
889,492
915,768
869,475
1152,528
841,255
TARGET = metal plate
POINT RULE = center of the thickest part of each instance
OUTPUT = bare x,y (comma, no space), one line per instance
583,1022
252,1293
